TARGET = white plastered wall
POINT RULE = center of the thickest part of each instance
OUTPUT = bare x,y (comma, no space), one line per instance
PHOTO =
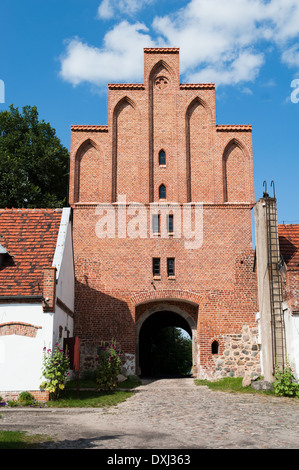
291,323
65,277
21,356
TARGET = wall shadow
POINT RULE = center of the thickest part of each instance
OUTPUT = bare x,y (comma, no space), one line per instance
101,317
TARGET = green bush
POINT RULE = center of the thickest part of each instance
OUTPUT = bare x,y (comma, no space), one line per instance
89,375
109,366
285,383
26,399
13,403
55,370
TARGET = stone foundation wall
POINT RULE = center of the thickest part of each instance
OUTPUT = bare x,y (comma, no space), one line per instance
89,359
241,355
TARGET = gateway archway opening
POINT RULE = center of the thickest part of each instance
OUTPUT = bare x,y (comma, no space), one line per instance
165,346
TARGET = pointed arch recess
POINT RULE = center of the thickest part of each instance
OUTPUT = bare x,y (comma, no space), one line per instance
234,172
157,69
121,106
195,103
83,147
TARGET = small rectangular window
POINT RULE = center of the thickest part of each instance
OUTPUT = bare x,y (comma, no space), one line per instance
156,223
156,266
170,223
170,267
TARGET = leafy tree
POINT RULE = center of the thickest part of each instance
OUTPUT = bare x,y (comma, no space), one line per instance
33,162
171,352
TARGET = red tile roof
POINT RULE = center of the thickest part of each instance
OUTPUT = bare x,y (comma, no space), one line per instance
124,86
29,236
197,86
161,50
89,128
289,244
234,127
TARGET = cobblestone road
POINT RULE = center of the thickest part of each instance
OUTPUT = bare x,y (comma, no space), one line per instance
168,414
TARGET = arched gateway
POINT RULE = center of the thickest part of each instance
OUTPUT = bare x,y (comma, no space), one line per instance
157,315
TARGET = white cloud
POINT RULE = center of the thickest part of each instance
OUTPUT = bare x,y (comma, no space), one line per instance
112,8
291,56
120,58
225,42
244,68
284,18
106,10
247,91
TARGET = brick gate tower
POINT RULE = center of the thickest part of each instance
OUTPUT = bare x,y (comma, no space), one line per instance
162,200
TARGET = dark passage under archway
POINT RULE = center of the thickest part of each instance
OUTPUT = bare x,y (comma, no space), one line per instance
163,351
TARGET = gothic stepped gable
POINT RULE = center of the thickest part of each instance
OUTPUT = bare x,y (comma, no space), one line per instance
162,146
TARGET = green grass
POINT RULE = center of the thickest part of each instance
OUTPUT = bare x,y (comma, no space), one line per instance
20,440
89,398
131,382
81,398
230,384
83,383
68,399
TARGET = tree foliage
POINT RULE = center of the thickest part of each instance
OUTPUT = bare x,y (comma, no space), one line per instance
33,162
171,352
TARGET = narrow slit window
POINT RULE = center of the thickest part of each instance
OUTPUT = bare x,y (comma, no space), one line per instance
156,223
170,267
215,347
156,266
162,157
162,191
170,223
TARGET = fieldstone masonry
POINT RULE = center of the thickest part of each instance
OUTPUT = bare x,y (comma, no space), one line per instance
89,359
241,356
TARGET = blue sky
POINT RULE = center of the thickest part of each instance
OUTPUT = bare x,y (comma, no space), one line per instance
60,55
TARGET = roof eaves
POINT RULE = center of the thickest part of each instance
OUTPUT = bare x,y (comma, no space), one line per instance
3,250
61,239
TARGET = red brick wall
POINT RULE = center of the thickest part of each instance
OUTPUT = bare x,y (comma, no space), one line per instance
291,290
49,289
40,396
205,163
18,328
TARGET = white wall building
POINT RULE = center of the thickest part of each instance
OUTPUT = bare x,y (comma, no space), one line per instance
36,293
289,248
277,261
